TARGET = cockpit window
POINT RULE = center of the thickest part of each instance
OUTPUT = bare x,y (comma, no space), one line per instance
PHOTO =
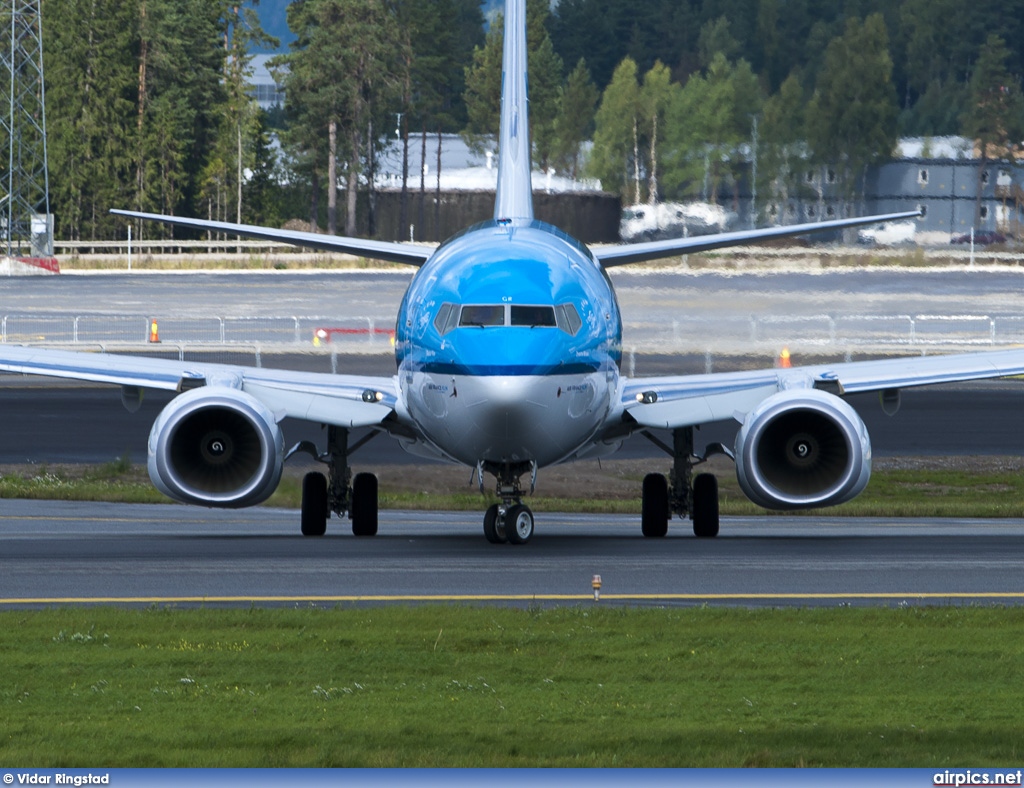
444,320
568,318
483,315
532,316
563,316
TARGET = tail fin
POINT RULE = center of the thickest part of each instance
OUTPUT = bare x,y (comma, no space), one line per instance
514,198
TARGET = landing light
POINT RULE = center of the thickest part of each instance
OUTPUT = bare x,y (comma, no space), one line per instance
647,397
372,396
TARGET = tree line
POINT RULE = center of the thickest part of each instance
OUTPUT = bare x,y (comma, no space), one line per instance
148,102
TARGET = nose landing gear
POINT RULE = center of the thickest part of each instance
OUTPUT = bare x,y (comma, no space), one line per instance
510,521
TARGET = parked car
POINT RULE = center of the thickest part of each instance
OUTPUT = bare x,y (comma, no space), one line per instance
980,239
888,234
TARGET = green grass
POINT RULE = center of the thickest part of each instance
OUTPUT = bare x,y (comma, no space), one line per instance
467,686
919,492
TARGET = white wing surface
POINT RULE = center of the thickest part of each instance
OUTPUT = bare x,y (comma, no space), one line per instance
339,400
672,402
406,254
610,256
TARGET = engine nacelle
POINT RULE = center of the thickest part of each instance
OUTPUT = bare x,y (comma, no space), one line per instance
800,449
216,446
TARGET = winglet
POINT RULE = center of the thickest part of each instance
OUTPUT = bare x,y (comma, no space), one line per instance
514,199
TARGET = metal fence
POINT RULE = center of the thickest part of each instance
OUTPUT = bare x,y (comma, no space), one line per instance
837,331
685,334
62,329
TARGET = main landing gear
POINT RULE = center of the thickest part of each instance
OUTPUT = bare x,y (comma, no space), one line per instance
339,491
683,493
510,521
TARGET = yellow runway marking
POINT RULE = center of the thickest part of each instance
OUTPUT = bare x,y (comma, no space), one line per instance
506,598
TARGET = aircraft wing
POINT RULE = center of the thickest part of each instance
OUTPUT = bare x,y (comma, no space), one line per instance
377,250
671,402
340,400
624,254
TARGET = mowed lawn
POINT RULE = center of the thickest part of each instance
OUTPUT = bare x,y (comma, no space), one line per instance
591,685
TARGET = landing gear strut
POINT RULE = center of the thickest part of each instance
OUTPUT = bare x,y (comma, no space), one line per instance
683,493
510,521
338,492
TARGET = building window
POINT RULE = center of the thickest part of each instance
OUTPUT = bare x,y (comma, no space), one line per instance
811,212
983,212
809,176
830,176
830,212
922,176
984,177
923,209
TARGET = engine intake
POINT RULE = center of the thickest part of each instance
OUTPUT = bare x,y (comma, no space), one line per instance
216,447
800,449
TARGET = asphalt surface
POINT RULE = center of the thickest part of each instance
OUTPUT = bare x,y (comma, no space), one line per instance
644,294
58,553
63,553
666,309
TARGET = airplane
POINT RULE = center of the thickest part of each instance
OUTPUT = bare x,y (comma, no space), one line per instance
508,347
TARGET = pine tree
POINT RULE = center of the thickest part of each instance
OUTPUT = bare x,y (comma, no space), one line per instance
709,121
179,101
577,103
655,97
483,83
341,71
235,139
615,135
995,115
90,75
851,120
780,145
261,201
545,84
699,138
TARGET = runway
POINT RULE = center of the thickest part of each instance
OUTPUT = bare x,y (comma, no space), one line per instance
60,553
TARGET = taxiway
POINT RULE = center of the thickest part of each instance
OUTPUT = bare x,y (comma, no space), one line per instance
60,553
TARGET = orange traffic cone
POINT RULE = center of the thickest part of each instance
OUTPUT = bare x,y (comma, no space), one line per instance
154,335
784,362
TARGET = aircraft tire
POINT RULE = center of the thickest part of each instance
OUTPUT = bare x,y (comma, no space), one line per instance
364,504
705,506
492,532
314,504
518,524
654,506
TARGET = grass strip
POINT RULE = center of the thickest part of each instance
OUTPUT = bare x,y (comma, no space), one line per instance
906,492
467,686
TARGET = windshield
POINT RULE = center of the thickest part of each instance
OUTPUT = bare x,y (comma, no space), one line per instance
483,315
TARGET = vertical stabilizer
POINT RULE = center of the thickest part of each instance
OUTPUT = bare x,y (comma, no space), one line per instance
514,199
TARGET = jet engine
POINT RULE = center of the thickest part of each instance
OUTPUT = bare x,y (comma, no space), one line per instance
216,446
800,449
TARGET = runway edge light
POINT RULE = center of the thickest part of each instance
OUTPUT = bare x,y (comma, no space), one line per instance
596,585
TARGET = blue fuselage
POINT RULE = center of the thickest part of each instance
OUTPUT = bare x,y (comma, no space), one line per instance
508,344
